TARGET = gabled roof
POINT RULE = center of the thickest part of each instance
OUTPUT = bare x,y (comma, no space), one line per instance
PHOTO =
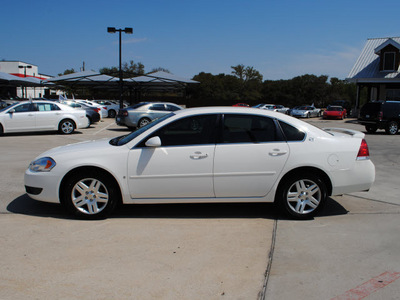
389,41
366,68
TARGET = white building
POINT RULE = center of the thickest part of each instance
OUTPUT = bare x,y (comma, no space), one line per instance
22,69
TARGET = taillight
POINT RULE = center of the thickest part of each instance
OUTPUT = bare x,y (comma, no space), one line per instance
380,115
363,153
97,110
123,113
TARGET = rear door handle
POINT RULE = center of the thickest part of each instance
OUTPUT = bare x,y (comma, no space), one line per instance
198,155
277,152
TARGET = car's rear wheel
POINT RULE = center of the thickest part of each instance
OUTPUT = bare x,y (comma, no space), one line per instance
1,130
90,194
302,195
392,127
143,122
66,126
371,128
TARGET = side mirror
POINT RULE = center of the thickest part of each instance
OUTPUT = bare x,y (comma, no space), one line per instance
11,111
153,142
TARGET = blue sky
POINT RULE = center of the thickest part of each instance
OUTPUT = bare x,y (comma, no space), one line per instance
279,38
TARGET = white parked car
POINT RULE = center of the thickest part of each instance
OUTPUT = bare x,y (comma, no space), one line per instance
216,154
273,107
111,106
27,116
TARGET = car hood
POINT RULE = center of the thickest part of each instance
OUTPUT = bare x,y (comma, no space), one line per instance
86,147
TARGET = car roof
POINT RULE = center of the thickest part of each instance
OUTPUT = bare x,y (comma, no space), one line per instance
37,101
239,110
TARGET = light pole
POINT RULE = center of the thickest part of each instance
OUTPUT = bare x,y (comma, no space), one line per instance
121,82
24,67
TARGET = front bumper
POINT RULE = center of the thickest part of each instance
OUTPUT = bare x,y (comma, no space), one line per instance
42,186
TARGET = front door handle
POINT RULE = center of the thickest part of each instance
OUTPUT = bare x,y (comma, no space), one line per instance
198,155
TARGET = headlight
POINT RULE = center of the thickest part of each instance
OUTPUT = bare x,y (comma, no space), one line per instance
44,164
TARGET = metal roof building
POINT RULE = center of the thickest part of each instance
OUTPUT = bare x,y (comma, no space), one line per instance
378,69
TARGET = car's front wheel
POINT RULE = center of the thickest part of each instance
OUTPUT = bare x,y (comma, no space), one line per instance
302,195
392,127
90,194
66,126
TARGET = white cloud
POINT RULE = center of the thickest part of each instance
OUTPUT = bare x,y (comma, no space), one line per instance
323,62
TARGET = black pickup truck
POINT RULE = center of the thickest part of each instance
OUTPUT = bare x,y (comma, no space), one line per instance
380,115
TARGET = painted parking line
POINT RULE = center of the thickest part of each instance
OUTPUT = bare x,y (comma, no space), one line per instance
369,287
104,128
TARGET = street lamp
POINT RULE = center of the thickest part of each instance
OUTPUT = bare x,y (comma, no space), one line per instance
24,67
127,31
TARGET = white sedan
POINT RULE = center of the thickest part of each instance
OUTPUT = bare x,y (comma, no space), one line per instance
27,116
216,154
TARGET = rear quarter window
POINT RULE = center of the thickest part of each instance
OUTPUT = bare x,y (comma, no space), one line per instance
292,134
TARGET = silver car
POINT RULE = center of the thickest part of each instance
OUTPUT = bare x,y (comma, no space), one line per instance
143,113
305,112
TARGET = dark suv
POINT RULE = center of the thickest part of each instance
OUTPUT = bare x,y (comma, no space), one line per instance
380,115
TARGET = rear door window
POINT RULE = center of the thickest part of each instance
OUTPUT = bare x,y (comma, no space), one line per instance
248,129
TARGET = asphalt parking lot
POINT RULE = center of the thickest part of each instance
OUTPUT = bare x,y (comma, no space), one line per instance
208,251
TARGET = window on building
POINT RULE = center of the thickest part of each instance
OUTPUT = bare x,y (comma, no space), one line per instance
389,61
393,94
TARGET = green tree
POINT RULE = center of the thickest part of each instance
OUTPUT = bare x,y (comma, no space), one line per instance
128,69
68,71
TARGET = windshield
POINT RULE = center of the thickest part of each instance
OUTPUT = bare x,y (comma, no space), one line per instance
122,140
334,108
10,106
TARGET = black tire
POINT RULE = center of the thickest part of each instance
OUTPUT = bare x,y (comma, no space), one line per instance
66,126
302,195
371,128
143,122
1,130
392,128
90,194
112,113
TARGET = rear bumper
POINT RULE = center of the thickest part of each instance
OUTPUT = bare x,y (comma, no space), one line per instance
357,179
377,123
124,121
